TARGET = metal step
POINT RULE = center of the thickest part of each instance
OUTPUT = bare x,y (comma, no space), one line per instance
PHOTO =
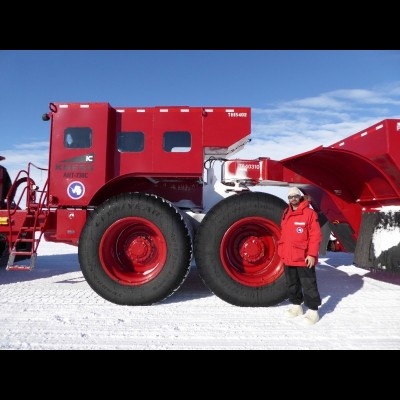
33,241
23,253
15,267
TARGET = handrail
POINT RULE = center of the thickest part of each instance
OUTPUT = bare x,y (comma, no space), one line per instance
30,190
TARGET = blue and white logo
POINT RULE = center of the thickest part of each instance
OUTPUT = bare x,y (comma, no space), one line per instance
299,230
76,190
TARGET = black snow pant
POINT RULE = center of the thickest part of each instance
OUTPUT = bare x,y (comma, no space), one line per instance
301,284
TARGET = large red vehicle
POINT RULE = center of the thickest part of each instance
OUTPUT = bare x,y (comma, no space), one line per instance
126,186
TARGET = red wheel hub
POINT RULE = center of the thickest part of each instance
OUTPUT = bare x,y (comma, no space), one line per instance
248,251
133,251
252,249
139,249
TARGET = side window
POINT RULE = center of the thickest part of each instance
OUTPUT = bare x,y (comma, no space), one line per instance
130,142
177,141
78,138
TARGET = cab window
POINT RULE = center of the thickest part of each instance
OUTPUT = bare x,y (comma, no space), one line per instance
130,142
177,141
78,138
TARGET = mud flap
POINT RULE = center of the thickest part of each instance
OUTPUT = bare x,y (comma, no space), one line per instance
326,233
344,232
373,256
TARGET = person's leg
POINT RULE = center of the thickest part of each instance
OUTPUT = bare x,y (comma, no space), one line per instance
308,279
293,285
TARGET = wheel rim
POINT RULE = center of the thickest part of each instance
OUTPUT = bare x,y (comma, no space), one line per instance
133,251
248,251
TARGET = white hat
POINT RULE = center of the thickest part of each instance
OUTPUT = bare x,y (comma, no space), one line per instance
294,190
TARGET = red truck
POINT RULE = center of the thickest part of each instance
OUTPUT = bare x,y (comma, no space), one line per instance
126,186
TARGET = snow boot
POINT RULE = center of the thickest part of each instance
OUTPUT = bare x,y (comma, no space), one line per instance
311,317
294,311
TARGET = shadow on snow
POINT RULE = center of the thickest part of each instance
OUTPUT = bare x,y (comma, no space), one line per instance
333,283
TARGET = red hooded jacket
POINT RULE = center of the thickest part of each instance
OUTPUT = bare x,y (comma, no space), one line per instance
301,235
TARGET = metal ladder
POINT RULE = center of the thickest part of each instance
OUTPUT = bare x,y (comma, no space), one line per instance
29,227
26,235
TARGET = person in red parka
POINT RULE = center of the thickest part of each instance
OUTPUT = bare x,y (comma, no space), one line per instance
298,248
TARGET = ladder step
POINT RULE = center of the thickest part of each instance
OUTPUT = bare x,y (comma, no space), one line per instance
19,268
14,267
22,253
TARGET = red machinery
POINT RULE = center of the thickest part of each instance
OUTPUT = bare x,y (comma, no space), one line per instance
126,186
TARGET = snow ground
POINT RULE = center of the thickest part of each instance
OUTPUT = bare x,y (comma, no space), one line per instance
52,307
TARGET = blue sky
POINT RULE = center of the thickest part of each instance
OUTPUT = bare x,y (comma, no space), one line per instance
300,99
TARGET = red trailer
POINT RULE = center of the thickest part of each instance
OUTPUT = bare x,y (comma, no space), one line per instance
126,185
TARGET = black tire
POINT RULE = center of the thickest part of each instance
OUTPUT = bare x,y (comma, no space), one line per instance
135,249
6,184
4,253
236,250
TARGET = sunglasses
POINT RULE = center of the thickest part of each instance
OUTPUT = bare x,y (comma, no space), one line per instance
295,196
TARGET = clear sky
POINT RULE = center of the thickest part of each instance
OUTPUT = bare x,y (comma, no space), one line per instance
300,99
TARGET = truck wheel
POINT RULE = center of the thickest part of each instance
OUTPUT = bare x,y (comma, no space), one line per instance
3,251
236,250
135,249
